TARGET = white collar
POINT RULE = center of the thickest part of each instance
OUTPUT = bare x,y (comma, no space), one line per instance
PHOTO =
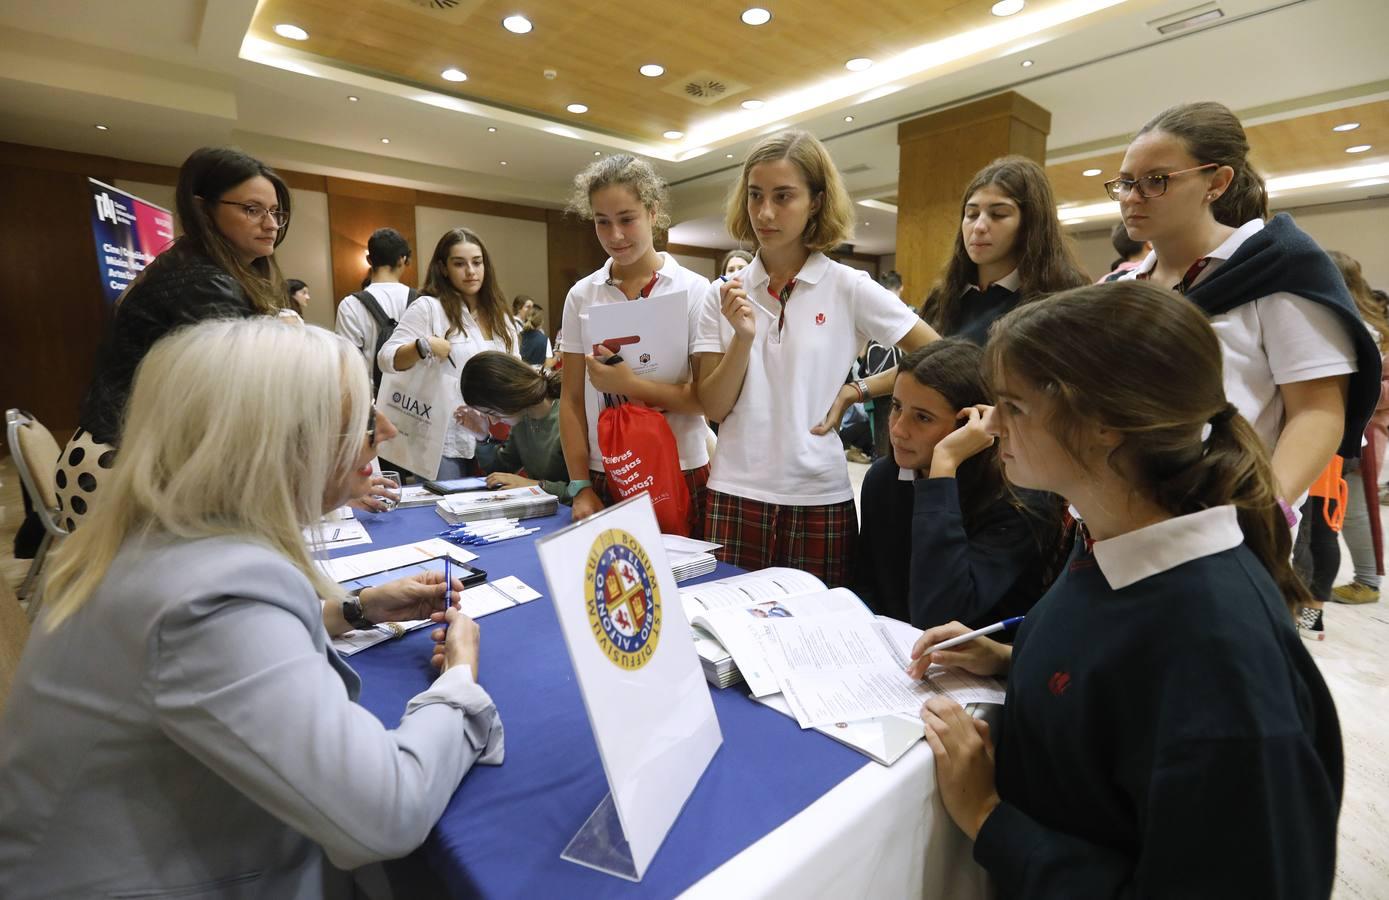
1153,549
1011,282
906,474
755,275
1226,249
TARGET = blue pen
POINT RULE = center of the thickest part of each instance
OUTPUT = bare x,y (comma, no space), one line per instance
979,632
448,584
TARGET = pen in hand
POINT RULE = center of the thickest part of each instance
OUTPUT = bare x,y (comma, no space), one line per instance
978,632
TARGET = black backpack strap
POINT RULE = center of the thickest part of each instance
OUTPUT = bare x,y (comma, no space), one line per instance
374,309
411,296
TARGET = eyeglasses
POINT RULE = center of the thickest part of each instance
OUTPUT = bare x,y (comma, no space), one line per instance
257,213
1149,186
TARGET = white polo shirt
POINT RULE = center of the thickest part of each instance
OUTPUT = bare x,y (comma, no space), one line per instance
689,429
1274,340
426,318
357,325
765,450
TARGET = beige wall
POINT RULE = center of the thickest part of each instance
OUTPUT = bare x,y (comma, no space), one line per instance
303,255
1094,251
703,265
517,248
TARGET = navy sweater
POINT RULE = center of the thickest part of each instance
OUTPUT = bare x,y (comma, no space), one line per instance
916,562
1169,739
976,312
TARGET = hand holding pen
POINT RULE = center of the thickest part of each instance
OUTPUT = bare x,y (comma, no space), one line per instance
956,647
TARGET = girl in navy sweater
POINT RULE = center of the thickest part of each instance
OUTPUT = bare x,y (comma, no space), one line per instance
1141,756
943,537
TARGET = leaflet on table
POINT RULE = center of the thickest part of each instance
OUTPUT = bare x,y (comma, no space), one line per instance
883,740
345,568
356,641
841,668
651,335
475,602
337,529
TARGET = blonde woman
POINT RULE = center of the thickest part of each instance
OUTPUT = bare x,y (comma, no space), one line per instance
793,322
180,722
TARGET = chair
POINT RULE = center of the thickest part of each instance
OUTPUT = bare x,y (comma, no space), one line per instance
36,457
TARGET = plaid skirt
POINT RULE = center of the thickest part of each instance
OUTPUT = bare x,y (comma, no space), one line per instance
695,480
817,539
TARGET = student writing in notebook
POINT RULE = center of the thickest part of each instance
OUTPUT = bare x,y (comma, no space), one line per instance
1166,733
502,388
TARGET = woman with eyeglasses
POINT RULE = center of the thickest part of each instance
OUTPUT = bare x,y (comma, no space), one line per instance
234,212
1300,365
180,723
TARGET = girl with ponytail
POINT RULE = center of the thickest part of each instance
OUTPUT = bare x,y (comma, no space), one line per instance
501,388
1299,365
1165,733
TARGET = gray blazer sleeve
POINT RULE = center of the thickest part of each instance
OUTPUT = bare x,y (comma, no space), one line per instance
241,686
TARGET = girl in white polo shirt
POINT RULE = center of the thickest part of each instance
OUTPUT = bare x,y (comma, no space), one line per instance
627,201
462,312
1299,364
792,323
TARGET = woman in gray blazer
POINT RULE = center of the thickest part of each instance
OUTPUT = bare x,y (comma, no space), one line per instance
180,724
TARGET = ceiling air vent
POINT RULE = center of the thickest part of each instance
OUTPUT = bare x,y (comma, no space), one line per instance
705,88
449,10
1187,19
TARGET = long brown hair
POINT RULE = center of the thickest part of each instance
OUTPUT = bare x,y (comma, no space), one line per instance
1112,353
1046,262
1371,310
1213,134
203,179
493,310
500,381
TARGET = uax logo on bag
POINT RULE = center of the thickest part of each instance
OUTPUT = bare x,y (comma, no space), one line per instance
406,403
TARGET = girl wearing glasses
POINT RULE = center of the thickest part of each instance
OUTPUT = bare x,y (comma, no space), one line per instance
234,212
1300,365
1009,250
792,324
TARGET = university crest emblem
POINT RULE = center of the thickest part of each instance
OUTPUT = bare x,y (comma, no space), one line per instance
623,599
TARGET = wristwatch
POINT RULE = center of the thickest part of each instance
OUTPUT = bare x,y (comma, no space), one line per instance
353,613
423,348
575,486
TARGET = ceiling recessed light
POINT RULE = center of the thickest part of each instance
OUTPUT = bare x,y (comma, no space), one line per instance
752,104
1027,64
517,24
1007,7
353,98
385,140
1358,148
848,118
651,70
1091,173
577,109
491,129
1346,126
453,75
756,16
597,152
866,224
102,128
728,156
292,32
503,162
677,135
859,64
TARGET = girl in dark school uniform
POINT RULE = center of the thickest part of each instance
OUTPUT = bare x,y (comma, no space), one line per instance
1009,250
943,537
1166,733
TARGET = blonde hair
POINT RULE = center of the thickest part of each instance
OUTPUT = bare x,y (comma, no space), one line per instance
235,428
832,224
629,172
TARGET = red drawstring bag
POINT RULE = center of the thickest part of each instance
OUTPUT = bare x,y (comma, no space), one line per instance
640,455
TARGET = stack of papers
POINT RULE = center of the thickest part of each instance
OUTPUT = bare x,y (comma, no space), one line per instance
515,503
717,663
688,557
412,495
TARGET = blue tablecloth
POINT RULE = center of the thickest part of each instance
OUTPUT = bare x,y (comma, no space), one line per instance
504,830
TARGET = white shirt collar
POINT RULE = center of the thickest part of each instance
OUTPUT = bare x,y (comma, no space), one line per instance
1153,549
1223,252
668,265
755,275
1011,282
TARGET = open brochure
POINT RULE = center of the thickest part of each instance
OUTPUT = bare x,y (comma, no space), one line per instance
651,336
822,657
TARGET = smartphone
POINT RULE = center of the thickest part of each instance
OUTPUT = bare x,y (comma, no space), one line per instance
455,485
469,575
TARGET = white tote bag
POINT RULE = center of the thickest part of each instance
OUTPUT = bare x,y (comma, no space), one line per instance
418,405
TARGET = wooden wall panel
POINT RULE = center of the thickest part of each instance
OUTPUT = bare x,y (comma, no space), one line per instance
940,154
351,220
53,314
574,252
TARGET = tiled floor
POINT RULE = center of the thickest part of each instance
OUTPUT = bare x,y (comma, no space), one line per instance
1351,660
